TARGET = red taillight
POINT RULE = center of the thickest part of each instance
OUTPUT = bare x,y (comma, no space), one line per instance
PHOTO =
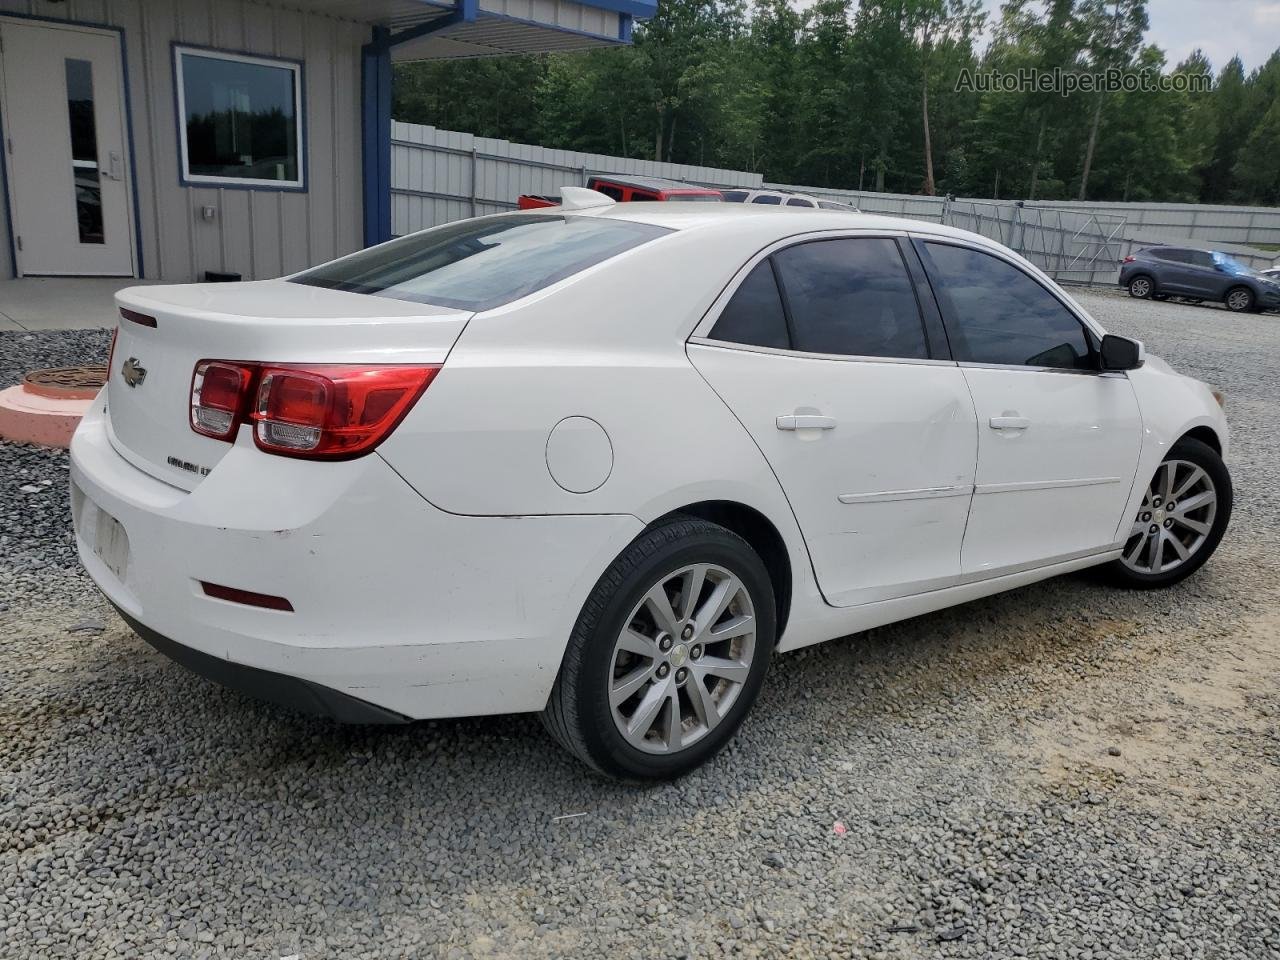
1130,259
323,411
219,392
333,411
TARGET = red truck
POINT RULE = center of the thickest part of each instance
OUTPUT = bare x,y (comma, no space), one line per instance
625,188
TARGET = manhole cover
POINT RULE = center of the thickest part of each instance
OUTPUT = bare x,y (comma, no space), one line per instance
66,383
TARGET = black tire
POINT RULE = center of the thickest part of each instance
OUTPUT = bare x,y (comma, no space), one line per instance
579,715
1194,301
1240,300
1205,457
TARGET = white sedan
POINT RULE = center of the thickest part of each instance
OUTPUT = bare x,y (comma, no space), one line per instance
602,461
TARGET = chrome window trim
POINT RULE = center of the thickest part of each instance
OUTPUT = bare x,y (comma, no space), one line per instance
804,355
1113,374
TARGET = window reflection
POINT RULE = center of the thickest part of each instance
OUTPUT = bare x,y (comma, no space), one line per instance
84,151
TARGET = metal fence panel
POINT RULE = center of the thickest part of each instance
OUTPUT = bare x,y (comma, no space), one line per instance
443,175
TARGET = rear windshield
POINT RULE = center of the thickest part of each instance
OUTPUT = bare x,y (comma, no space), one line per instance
482,264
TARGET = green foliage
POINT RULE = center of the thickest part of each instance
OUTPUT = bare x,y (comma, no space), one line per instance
864,94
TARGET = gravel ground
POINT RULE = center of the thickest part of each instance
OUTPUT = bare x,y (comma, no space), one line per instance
1063,771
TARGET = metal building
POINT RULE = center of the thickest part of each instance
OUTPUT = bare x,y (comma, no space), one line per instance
171,139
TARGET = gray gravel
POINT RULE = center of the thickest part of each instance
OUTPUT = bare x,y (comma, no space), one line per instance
1063,771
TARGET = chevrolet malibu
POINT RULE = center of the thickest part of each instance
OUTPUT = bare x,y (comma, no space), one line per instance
601,462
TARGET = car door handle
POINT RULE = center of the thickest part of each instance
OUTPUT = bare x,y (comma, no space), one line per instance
806,422
1010,423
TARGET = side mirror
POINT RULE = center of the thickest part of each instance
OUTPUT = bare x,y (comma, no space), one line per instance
1121,353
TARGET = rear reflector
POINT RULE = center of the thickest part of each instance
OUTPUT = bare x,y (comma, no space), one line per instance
246,597
322,411
139,318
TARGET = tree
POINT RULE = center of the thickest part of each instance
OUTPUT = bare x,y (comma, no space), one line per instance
1115,29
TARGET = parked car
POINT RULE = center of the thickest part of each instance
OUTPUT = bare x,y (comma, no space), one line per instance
630,189
777,198
603,462
1198,275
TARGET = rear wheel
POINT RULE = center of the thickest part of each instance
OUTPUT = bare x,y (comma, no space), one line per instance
1239,300
1141,287
668,655
1180,523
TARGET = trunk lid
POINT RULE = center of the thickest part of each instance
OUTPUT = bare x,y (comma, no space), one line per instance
271,321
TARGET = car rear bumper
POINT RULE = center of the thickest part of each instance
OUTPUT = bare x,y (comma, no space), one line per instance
400,610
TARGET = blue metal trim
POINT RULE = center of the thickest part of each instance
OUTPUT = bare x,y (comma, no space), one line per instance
128,132
229,183
375,133
624,27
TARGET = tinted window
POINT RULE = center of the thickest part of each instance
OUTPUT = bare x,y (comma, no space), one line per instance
613,193
637,195
480,264
754,316
797,202
851,297
767,199
734,196
1002,315
239,117
1200,258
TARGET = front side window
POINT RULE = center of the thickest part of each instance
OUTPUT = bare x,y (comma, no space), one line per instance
767,199
1001,315
734,196
239,119
482,264
797,202
852,297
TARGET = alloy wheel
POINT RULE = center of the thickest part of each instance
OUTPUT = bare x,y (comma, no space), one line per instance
1175,519
1238,300
1140,288
681,661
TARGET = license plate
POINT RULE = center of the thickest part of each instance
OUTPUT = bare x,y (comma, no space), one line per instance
111,543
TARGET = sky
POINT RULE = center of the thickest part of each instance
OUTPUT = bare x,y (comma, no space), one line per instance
1221,28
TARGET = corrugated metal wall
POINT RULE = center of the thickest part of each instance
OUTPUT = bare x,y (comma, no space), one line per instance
257,233
442,175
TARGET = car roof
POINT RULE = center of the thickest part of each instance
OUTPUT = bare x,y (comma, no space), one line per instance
797,220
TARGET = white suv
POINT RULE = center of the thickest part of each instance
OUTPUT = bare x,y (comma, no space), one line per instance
602,461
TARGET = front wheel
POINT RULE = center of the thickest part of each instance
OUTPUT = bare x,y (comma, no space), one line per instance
1239,300
1180,523
668,654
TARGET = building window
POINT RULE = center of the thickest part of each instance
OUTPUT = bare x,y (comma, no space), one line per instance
239,119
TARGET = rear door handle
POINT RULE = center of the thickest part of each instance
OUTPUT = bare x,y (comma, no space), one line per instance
1010,423
806,422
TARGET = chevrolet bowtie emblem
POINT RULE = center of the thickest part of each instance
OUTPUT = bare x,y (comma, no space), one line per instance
133,372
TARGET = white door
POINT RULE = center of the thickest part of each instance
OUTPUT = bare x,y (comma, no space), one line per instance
1058,440
66,150
872,439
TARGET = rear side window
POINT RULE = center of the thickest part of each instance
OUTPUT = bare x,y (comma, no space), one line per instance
767,199
1001,315
613,193
797,202
734,196
481,264
852,297
754,315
